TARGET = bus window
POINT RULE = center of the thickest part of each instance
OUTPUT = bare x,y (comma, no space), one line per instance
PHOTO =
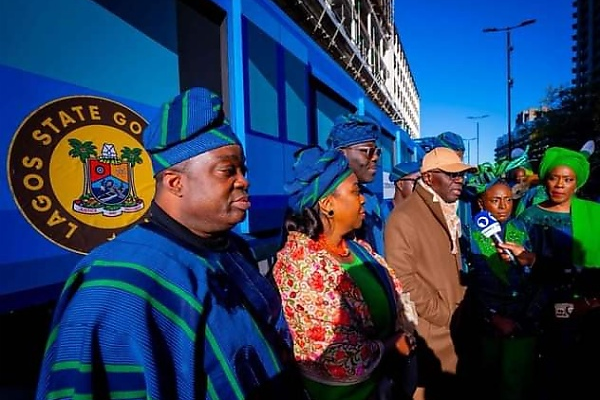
386,142
329,106
262,80
407,153
201,64
296,98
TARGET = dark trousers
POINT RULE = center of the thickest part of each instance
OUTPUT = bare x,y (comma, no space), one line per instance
570,350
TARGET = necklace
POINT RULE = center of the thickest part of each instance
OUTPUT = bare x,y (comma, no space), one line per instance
340,250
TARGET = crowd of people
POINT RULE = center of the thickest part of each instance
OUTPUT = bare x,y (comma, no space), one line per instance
367,299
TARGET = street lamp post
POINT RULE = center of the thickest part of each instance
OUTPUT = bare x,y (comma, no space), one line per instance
509,80
477,118
469,149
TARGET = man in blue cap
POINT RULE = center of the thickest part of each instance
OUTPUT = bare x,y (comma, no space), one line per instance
452,141
356,136
175,308
404,176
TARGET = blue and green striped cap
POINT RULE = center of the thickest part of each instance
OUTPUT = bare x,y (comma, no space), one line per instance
316,174
352,129
400,170
451,140
190,124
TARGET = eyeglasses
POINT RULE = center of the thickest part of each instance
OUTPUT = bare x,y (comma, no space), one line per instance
452,175
370,152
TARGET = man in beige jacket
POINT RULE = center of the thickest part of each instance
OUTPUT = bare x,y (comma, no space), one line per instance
421,245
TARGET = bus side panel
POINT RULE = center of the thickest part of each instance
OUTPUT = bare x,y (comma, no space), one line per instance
51,50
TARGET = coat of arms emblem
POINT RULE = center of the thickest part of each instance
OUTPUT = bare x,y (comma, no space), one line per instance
108,184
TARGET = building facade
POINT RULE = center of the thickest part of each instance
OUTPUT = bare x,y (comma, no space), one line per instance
522,136
362,38
586,49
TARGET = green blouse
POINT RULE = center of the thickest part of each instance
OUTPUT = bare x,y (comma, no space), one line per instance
381,314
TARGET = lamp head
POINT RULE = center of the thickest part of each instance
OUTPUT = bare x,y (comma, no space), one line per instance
478,117
527,22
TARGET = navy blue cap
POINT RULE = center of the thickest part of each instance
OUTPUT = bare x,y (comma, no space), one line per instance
400,170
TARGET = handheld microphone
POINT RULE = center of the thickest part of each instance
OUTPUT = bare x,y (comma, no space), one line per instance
490,228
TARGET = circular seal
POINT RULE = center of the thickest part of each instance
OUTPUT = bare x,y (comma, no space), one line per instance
78,172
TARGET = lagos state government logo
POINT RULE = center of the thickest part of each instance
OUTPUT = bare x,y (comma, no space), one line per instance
78,171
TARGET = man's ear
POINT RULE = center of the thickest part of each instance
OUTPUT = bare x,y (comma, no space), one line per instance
426,177
172,182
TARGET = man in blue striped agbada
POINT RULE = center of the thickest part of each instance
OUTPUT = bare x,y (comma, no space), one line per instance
175,308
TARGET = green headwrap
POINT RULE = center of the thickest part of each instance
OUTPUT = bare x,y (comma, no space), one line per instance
489,174
559,156
585,215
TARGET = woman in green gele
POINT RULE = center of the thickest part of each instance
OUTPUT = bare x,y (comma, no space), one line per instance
565,232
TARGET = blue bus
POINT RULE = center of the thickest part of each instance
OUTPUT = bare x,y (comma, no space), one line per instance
80,80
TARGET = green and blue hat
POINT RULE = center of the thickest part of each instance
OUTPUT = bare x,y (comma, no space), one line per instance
400,170
353,129
316,174
190,124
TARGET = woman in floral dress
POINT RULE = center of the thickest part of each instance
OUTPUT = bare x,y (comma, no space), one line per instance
351,323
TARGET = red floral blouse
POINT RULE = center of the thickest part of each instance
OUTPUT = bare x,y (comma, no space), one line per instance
333,332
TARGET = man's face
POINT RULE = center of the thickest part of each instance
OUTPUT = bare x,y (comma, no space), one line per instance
406,185
520,175
448,185
363,158
214,191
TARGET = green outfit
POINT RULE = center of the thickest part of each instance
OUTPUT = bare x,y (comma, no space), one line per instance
532,197
567,264
586,222
499,367
383,319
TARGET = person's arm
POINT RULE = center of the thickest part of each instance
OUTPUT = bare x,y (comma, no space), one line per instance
89,354
539,242
530,270
407,317
402,255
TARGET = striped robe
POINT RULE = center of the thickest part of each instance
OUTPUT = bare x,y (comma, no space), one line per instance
147,317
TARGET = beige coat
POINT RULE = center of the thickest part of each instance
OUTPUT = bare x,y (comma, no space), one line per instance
418,249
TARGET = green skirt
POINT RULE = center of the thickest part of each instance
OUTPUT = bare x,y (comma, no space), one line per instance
358,391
